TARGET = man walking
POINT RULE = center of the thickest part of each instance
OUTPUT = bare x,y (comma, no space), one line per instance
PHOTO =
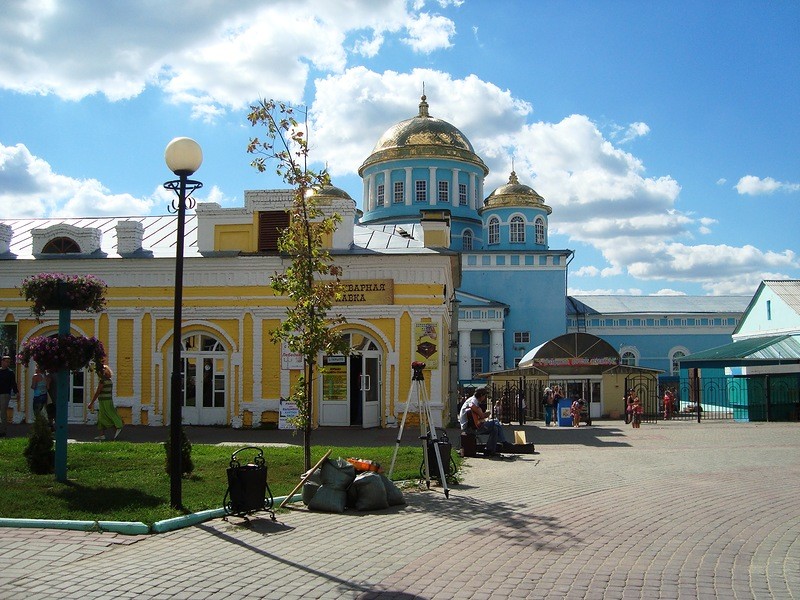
8,385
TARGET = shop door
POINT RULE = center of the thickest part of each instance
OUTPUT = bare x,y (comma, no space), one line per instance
351,386
370,390
203,381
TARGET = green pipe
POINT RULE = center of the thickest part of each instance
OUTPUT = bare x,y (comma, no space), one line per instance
129,527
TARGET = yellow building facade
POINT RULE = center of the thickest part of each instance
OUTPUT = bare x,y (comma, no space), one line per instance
397,307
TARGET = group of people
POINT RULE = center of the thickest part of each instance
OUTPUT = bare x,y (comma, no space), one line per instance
633,409
43,386
551,399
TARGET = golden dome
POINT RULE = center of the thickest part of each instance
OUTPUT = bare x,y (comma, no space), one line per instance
331,191
515,194
423,136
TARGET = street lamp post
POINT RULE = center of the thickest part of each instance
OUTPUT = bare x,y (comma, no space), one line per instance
183,157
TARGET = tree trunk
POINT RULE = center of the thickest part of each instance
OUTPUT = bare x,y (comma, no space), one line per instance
309,400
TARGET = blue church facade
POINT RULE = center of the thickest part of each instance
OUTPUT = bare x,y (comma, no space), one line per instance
513,292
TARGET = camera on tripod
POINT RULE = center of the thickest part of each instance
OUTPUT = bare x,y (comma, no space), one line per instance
417,366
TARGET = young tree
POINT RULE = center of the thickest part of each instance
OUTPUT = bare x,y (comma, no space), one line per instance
312,280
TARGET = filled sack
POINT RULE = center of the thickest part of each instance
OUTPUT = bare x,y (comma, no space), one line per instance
367,492
328,499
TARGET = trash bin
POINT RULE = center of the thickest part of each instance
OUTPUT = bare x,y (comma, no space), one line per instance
445,447
564,413
248,490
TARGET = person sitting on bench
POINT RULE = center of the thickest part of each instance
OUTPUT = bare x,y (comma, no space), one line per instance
473,419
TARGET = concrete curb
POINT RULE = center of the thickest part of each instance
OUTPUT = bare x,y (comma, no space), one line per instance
129,527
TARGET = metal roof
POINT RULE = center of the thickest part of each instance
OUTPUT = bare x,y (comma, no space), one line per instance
787,290
668,305
160,234
767,348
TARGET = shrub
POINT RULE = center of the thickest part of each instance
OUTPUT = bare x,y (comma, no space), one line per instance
39,453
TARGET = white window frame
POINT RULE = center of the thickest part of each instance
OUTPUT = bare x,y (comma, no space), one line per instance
467,235
539,226
462,194
381,194
399,195
516,230
420,190
444,191
522,337
494,231
674,368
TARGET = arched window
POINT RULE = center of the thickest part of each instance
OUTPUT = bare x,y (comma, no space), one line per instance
539,230
628,358
61,245
517,230
494,230
466,240
674,359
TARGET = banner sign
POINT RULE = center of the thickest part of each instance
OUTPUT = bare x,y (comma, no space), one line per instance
426,344
367,291
290,360
287,410
576,361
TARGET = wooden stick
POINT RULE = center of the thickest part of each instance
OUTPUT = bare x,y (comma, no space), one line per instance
306,478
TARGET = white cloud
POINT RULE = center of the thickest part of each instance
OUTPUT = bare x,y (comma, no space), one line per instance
722,181
216,57
353,109
30,188
605,292
755,186
633,131
427,33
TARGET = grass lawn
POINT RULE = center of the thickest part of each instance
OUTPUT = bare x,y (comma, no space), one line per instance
123,481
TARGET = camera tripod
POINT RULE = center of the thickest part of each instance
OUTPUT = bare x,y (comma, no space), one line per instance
427,431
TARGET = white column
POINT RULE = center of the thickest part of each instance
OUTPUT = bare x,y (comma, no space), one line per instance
472,191
365,197
433,193
388,192
372,179
464,354
454,191
408,191
496,357
479,200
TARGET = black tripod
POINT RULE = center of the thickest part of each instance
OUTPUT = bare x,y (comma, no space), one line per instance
427,430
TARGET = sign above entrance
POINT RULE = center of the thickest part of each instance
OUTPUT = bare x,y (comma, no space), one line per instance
576,361
367,291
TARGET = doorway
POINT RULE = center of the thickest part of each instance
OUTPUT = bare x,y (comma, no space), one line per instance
351,385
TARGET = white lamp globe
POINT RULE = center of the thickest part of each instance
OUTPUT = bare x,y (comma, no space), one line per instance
183,156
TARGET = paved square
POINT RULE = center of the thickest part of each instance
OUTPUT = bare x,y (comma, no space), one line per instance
674,510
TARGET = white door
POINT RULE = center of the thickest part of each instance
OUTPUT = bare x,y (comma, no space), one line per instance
335,403
203,381
370,389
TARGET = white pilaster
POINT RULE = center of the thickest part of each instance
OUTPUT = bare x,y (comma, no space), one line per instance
433,192
409,193
472,191
372,191
454,190
496,357
464,354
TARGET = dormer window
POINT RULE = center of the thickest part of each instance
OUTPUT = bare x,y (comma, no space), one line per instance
61,245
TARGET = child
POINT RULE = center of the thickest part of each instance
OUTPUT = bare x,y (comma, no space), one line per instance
637,409
575,411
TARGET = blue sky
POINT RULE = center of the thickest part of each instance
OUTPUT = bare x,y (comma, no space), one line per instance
664,135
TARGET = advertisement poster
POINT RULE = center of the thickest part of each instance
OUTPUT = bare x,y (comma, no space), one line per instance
426,344
334,379
290,360
287,410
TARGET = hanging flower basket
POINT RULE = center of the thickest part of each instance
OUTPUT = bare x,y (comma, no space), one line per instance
63,351
54,291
